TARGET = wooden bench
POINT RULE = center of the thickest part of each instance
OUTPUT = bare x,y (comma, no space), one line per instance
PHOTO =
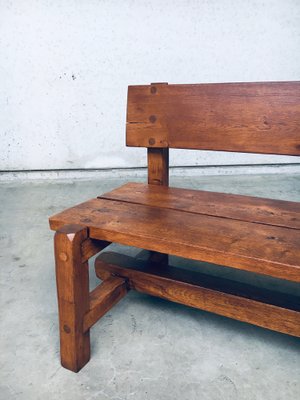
246,233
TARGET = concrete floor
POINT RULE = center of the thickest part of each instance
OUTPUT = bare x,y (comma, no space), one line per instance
144,348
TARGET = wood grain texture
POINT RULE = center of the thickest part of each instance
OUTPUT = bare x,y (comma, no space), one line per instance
158,166
103,298
72,278
90,247
242,232
259,248
243,208
241,117
220,296
145,263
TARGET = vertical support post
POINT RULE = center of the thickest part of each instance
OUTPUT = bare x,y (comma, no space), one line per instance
158,174
158,166
72,278
158,158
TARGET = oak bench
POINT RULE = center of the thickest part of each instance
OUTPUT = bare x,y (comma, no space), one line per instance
242,232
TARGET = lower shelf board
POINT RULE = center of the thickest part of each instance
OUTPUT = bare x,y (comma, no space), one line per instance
265,308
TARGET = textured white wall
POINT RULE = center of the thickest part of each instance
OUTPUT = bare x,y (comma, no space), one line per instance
65,66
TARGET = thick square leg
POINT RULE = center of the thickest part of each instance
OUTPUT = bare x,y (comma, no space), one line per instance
72,277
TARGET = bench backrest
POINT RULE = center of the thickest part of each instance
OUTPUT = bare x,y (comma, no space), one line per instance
237,117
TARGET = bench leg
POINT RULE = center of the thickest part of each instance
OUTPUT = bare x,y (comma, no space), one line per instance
72,278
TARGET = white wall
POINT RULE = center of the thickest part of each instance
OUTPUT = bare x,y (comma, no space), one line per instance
65,66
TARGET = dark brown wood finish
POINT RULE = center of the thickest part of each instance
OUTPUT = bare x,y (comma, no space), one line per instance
144,262
103,298
158,166
275,311
158,158
79,309
242,232
91,247
72,278
242,117
253,247
242,208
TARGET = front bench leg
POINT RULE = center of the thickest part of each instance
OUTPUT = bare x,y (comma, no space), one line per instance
72,279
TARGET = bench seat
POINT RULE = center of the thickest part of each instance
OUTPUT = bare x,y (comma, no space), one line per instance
243,232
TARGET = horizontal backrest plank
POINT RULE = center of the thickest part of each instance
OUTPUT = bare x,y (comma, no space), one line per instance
238,117
244,208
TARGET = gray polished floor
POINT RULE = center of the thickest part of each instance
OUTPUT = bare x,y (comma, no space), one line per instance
144,348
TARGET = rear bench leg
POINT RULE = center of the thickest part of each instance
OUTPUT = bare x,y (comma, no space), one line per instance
72,279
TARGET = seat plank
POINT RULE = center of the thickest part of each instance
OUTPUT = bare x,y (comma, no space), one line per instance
260,248
243,208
